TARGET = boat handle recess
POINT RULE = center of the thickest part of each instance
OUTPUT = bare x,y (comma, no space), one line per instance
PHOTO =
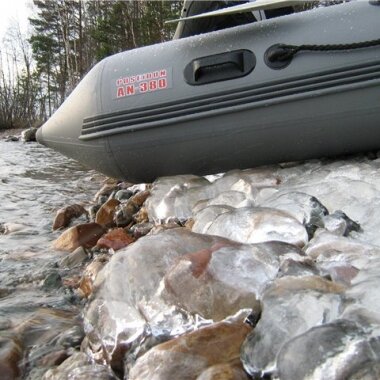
220,67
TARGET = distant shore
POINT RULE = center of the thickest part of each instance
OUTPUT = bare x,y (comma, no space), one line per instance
10,132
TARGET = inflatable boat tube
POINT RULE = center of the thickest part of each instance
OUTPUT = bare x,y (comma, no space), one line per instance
235,98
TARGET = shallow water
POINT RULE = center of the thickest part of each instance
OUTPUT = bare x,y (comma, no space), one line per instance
34,182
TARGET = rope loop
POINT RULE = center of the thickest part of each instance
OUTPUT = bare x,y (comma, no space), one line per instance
283,52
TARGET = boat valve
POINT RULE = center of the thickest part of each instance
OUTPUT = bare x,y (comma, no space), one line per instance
279,56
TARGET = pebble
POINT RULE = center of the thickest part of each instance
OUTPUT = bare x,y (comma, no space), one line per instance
85,235
115,239
190,355
66,214
75,258
105,215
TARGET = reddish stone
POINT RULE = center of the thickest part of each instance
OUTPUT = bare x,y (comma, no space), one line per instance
10,355
89,276
106,213
83,235
200,282
115,239
189,355
66,214
139,198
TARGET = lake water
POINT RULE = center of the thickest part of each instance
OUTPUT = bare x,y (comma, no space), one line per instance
34,183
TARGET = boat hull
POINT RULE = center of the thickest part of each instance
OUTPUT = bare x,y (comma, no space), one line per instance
211,103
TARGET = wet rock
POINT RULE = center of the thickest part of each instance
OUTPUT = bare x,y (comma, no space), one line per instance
124,214
12,228
291,267
11,138
106,213
106,190
52,281
29,135
290,307
89,275
261,177
65,215
188,356
85,235
75,258
307,209
232,198
45,326
177,196
79,367
206,216
167,196
141,216
115,239
219,281
92,211
10,355
328,247
339,223
126,307
123,195
365,288
139,198
252,225
142,229
337,350
5,324
223,372
45,336
340,272
53,359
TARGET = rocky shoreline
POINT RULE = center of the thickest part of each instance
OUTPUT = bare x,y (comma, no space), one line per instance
261,273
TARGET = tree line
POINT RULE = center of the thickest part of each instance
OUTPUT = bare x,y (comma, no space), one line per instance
68,37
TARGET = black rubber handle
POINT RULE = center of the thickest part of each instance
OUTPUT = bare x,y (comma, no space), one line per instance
219,67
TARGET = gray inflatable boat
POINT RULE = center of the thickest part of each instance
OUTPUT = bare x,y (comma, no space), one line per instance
300,86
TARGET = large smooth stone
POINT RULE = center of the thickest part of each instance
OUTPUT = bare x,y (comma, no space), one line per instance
220,281
307,209
126,306
291,306
189,355
251,225
337,350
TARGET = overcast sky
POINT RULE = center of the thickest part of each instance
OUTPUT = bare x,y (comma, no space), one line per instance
11,11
